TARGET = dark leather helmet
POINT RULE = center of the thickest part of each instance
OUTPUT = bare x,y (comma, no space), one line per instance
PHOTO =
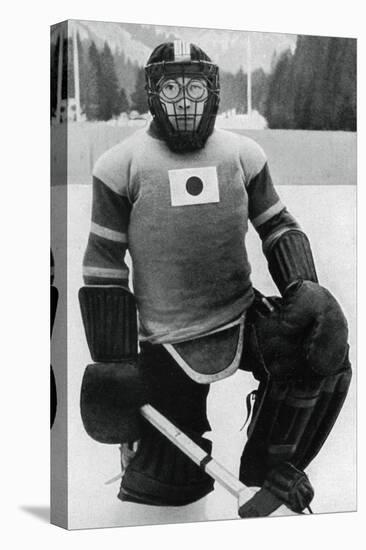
172,60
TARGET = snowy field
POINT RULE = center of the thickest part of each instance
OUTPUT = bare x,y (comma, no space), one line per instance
327,214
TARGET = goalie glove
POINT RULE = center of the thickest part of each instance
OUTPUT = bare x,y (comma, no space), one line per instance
112,388
284,484
110,322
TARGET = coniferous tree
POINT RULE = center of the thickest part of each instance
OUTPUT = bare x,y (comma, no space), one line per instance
108,86
308,67
139,96
342,84
240,91
55,48
233,91
83,72
280,98
92,84
325,83
65,69
227,100
126,72
68,83
316,87
123,103
259,90
55,55
70,69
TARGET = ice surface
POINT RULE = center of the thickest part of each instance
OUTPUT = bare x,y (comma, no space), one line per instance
327,214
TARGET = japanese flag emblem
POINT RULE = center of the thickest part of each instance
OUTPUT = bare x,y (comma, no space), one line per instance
194,186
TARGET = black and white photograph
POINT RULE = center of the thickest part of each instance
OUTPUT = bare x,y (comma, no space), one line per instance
203,246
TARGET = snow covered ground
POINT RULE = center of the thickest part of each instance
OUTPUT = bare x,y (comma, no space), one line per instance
327,214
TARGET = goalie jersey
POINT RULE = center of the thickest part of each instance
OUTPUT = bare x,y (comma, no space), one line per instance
184,220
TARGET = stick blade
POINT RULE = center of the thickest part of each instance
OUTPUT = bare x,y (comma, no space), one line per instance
262,504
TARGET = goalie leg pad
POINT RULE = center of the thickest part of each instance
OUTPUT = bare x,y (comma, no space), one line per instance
291,421
160,473
297,349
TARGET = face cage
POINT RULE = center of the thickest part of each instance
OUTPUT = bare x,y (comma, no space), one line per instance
184,121
185,86
189,132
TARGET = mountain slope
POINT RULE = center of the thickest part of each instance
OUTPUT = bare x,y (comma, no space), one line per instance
226,47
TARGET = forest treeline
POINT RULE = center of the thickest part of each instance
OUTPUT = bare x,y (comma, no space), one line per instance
313,87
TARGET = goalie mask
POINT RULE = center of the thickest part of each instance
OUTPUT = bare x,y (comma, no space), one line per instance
183,94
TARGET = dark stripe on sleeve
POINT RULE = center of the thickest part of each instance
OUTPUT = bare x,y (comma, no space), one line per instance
261,193
105,254
102,252
110,210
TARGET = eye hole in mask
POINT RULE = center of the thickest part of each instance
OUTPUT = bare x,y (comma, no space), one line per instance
172,90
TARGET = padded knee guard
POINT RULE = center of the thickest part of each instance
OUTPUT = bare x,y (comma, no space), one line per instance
160,473
297,348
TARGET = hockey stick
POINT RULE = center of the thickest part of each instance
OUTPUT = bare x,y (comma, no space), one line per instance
200,457
250,502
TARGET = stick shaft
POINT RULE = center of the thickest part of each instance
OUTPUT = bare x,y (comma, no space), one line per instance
196,453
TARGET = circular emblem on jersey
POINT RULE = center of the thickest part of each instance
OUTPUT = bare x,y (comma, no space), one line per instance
194,186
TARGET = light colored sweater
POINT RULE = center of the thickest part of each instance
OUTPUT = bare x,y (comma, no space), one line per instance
184,219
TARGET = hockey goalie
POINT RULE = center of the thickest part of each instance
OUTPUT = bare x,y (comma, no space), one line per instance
178,196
